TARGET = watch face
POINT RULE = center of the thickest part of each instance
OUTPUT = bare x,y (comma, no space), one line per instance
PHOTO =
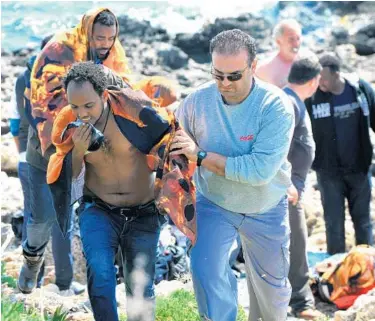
201,154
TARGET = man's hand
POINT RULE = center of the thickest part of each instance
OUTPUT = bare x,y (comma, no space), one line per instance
81,138
184,145
292,195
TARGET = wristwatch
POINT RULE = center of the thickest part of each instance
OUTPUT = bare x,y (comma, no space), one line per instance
201,156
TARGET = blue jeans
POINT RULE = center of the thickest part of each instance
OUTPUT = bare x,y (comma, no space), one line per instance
356,188
265,243
23,175
102,232
41,223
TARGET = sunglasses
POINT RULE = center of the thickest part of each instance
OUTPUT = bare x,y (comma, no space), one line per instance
231,77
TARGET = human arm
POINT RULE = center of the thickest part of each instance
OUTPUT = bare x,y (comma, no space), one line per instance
370,97
81,139
183,144
270,147
14,119
268,152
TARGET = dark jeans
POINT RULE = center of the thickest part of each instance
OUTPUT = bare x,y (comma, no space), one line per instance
41,223
356,188
302,297
102,232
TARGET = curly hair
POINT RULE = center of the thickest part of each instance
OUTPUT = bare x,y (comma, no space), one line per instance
105,18
87,71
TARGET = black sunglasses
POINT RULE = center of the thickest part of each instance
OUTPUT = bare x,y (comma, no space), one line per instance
231,77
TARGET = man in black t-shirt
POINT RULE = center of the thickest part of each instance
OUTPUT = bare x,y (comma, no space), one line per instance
342,112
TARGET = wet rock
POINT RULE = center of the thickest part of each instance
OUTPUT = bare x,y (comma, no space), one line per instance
172,56
340,36
5,53
19,61
9,155
141,29
6,234
23,52
197,45
364,40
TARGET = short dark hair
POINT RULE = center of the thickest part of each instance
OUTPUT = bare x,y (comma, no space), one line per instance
330,61
231,42
87,71
45,41
304,69
106,18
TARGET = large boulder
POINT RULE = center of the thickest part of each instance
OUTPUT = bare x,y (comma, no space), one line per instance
364,40
340,36
197,45
141,29
172,56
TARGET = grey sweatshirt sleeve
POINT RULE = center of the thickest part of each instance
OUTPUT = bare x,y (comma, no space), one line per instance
270,148
184,114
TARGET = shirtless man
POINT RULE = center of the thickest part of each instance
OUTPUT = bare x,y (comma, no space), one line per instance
275,70
118,206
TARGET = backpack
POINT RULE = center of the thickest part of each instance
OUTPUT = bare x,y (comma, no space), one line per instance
353,276
171,263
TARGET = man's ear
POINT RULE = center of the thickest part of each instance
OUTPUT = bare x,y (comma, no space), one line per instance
254,65
278,41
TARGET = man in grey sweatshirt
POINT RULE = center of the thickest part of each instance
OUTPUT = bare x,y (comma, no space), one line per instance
303,80
238,131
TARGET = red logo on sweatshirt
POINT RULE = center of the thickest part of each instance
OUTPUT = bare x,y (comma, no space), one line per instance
247,138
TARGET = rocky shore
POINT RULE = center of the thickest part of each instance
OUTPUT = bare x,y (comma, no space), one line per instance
184,58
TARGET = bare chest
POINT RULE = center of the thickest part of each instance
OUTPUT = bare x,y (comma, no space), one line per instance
279,72
115,149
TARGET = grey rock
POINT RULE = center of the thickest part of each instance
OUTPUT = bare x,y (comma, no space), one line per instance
6,232
19,61
340,35
141,29
172,56
197,45
364,40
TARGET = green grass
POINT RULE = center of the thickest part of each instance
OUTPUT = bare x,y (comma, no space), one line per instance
5,279
16,311
180,306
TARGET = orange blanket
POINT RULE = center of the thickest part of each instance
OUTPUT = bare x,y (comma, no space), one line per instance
160,89
47,94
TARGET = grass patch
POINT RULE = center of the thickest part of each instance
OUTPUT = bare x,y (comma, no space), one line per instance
16,311
181,306
6,279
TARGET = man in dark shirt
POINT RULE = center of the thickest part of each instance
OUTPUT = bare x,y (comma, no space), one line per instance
342,112
303,80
